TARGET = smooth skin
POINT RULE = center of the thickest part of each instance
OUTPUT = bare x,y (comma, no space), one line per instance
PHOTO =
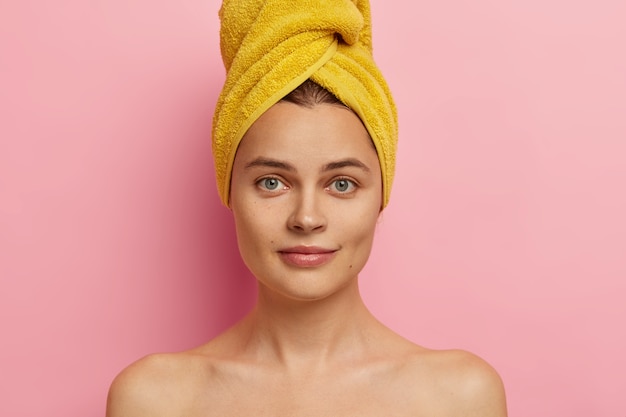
307,178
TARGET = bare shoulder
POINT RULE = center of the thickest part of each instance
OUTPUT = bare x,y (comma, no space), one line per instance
155,385
462,383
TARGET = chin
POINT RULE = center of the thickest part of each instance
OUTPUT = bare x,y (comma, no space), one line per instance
307,286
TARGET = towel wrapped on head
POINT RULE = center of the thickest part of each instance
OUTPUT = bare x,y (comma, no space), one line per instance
270,47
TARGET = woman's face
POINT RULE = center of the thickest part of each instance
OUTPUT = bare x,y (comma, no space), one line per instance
306,195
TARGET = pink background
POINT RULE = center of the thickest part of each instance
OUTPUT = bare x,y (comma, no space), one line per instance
505,235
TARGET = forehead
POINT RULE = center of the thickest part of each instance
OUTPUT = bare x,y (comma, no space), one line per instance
289,131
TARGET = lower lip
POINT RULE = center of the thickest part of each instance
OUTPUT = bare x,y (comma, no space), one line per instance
306,260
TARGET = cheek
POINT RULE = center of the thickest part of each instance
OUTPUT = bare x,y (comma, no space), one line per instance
254,228
246,230
359,226
247,241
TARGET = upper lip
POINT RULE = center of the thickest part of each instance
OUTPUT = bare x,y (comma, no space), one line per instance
307,249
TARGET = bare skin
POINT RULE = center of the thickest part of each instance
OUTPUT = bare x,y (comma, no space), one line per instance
310,347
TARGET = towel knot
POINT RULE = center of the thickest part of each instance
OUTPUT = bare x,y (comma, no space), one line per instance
245,21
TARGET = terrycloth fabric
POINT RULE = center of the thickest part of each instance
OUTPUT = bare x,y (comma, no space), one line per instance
270,47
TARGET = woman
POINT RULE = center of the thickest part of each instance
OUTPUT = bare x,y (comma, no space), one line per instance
306,175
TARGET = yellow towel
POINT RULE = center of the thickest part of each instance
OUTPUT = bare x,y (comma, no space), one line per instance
270,47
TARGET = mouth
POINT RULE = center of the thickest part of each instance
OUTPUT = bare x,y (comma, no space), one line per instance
307,256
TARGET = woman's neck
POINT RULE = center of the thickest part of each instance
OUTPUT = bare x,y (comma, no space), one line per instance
314,333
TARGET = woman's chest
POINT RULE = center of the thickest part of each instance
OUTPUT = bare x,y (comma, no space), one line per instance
275,398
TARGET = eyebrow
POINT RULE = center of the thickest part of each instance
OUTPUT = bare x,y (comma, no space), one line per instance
271,163
348,162
275,163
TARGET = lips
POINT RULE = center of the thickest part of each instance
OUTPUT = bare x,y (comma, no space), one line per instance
307,256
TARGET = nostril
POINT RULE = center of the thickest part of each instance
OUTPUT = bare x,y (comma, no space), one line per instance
306,224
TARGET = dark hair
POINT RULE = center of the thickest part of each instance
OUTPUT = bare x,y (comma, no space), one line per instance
309,94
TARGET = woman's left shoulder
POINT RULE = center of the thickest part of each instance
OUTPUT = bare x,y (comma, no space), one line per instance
466,384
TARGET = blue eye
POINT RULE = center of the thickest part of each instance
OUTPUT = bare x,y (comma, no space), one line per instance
271,184
343,185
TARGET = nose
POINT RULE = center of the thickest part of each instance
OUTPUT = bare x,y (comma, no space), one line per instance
307,215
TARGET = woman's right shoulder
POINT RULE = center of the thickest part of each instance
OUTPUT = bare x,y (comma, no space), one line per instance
155,385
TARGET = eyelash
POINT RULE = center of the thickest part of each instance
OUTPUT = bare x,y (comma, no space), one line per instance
261,181
352,185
